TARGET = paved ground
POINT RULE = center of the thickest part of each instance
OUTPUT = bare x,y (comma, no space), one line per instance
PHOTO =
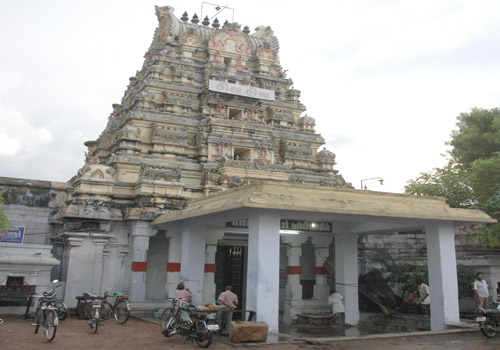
73,334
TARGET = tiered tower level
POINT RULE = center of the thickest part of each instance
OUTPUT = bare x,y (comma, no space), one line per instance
211,109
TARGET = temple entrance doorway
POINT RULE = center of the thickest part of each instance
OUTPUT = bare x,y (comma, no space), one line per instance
231,261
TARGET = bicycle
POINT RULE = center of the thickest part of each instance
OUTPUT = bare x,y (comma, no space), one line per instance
46,315
95,315
120,309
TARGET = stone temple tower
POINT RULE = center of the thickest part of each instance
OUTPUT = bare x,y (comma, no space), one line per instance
211,109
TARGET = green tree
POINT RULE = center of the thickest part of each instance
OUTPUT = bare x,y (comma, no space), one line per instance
472,177
450,182
4,223
477,137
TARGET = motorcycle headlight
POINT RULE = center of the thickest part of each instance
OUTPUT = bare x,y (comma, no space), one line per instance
211,316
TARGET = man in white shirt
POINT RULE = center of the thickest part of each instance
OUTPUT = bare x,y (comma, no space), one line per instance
338,309
424,294
225,314
481,292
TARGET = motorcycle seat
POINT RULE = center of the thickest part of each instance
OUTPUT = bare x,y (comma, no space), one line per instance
492,311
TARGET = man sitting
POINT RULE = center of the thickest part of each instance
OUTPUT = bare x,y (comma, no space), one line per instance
184,294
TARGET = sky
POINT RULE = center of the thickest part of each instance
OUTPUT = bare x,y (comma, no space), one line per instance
384,79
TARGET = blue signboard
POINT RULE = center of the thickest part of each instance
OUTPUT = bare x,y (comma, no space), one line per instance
12,235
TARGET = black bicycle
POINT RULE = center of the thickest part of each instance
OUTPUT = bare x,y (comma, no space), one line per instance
46,315
120,309
95,314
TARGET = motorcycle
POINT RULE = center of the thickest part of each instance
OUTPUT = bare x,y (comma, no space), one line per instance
191,324
489,319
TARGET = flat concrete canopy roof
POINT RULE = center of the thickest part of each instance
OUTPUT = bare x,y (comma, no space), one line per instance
328,200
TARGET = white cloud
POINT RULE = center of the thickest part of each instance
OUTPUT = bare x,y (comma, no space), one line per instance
384,79
17,135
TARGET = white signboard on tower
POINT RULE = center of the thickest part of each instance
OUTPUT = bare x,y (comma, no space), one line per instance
241,90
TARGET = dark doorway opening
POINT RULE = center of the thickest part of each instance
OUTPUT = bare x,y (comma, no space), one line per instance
231,270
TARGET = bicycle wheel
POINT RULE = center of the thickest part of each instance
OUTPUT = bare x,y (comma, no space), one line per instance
87,310
50,325
62,311
203,336
488,328
95,320
167,314
121,312
106,311
38,319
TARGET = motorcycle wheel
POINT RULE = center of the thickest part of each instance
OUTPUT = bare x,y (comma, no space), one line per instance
166,316
488,328
203,337
171,328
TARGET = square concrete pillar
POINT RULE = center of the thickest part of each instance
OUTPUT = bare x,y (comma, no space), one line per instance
137,288
193,258
209,286
443,281
346,274
141,232
174,235
263,267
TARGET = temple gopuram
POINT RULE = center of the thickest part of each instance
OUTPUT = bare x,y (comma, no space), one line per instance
210,172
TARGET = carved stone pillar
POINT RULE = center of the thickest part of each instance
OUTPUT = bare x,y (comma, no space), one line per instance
73,286
321,245
209,285
293,289
98,265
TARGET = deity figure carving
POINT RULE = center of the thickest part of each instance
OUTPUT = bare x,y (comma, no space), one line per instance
218,59
90,158
169,26
236,181
210,177
219,109
130,131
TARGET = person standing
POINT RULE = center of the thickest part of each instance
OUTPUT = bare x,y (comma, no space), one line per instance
424,295
225,314
481,292
338,309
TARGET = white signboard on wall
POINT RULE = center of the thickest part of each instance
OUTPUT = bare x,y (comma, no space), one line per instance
241,90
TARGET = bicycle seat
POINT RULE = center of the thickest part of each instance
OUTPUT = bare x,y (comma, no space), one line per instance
89,295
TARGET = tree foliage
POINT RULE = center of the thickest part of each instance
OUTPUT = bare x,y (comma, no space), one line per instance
4,223
450,182
471,179
477,137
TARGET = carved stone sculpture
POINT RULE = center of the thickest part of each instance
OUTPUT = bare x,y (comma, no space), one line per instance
160,173
326,156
